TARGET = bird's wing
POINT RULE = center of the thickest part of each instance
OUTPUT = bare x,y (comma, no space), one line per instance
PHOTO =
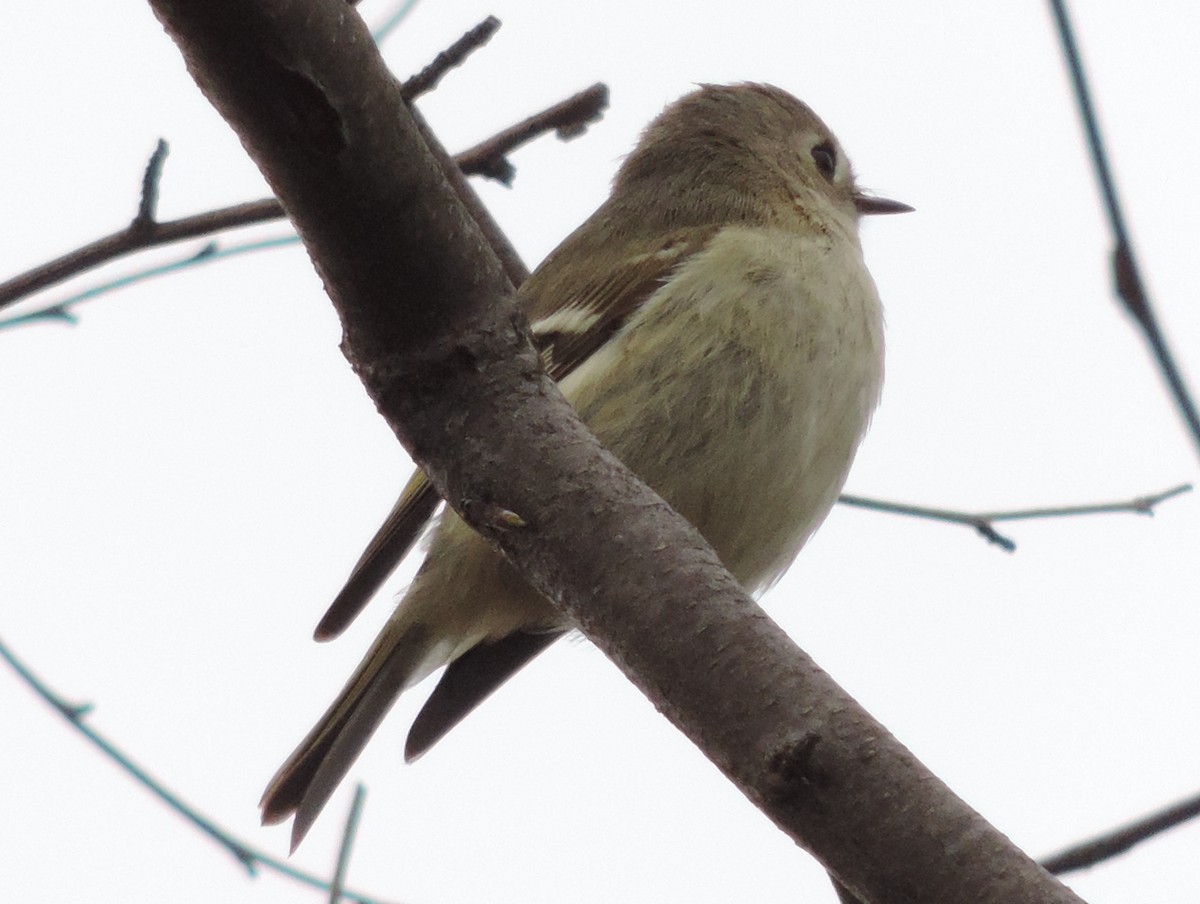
468,681
387,548
570,321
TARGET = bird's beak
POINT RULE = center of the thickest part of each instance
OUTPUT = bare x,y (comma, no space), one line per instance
868,204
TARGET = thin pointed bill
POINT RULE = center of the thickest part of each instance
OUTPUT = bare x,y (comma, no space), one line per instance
868,204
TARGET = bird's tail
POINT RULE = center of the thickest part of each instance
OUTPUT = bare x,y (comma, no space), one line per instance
304,784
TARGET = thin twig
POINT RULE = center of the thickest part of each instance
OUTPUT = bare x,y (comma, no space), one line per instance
453,56
381,32
983,522
1131,289
1104,847
211,252
148,203
128,241
251,858
919,511
1139,505
348,833
568,119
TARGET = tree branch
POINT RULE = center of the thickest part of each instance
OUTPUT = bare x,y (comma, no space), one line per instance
148,205
1127,277
132,239
338,883
247,855
431,328
63,310
984,522
1103,847
568,118
454,55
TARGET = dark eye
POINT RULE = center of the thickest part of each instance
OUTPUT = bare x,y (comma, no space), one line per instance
825,157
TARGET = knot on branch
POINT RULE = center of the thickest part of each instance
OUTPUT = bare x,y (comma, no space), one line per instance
795,773
310,113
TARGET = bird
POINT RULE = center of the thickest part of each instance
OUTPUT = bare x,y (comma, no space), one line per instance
715,325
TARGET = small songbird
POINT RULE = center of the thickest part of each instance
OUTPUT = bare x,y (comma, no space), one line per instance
714,324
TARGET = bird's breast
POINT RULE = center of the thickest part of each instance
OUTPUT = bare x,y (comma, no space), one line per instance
741,389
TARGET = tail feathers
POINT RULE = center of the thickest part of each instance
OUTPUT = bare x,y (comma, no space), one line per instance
304,784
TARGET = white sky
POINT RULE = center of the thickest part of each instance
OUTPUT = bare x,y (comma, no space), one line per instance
188,474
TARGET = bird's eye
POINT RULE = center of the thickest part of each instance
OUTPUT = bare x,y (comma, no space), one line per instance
825,157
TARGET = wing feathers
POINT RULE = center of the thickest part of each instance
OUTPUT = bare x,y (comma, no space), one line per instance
468,681
390,544
570,322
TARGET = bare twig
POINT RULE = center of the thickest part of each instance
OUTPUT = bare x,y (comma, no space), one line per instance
1126,274
148,204
1109,845
349,830
131,240
983,521
382,31
1139,505
453,56
568,119
251,858
209,253
919,511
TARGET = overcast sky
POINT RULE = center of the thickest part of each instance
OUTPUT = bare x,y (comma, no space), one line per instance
187,475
